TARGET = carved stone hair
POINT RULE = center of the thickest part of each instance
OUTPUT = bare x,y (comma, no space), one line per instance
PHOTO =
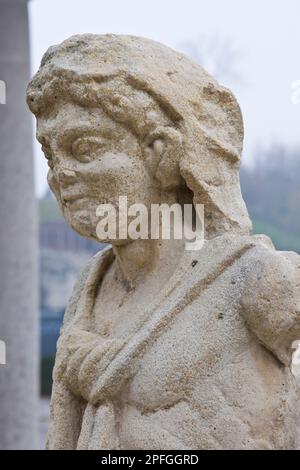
157,93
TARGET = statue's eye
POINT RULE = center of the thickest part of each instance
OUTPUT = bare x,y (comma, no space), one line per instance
86,149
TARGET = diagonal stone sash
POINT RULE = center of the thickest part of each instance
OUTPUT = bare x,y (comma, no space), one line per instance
215,257
185,286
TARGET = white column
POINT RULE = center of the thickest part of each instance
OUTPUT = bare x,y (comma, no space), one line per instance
18,238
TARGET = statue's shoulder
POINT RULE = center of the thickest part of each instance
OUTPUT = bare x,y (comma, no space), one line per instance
97,262
269,273
267,265
270,297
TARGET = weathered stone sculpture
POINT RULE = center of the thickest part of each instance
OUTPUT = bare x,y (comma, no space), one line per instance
163,348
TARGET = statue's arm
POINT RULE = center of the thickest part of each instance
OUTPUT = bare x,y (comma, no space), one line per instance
65,409
82,355
82,359
74,326
270,300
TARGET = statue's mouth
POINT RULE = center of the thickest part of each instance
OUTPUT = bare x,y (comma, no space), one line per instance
70,198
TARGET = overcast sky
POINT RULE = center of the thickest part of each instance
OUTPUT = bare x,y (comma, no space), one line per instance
263,35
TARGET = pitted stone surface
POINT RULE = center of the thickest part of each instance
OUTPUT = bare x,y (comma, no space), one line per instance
163,348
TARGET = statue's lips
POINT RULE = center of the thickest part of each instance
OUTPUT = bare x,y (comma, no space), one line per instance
70,198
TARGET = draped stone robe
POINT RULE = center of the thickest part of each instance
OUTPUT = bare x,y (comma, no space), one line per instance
208,368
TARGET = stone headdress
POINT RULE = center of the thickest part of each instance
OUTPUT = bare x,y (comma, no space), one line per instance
158,93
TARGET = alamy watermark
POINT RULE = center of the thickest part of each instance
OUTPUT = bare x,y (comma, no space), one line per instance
2,352
2,92
163,221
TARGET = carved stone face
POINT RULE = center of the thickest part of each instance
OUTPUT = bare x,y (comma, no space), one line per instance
92,160
157,93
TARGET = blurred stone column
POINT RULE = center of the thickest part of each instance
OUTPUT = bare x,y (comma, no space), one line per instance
18,238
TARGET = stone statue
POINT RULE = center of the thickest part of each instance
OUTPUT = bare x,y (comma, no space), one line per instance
163,348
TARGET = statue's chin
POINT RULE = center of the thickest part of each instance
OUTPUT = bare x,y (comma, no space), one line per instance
81,222
85,223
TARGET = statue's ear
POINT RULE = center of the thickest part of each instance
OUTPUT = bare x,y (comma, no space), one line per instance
163,153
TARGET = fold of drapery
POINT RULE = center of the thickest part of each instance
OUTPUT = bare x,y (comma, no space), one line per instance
98,428
94,424
66,409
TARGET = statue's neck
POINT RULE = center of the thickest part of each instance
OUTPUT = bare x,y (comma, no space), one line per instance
137,258
141,257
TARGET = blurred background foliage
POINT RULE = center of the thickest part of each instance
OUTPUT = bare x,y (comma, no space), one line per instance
272,193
